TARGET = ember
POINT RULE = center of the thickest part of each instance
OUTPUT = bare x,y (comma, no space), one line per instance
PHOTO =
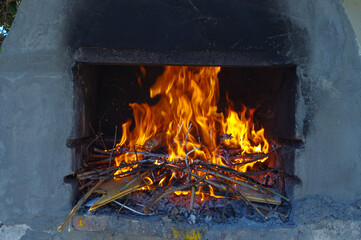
183,146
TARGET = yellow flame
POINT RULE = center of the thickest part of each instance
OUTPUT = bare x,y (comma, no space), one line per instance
187,108
181,193
162,181
190,95
211,192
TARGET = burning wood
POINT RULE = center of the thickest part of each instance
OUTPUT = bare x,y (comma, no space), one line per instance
183,144
128,178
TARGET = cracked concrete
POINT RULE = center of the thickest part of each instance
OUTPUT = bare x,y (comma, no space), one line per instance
15,232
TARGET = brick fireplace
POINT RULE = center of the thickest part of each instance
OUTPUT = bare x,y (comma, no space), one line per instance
49,38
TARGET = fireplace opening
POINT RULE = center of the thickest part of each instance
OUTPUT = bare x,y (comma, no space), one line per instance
216,189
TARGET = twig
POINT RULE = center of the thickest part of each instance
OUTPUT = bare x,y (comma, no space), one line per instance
136,154
253,205
256,158
137,170
101,139
100,163
96,138
78,205
192,198
131,209
126,187
104,171
128,196
275,193
186,161
185,150
270,191
194,149
73,142
180,128
85,185
246,200
159,197
97,150
219,186
230,179
225,205
147,184
186,137
270,210
150,154
146,208
104,174
231,170
115,140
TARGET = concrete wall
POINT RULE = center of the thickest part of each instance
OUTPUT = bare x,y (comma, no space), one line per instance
36,109
36,106
329,106
353,9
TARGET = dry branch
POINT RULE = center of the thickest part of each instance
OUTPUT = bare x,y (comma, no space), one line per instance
117,189
78,205
224,177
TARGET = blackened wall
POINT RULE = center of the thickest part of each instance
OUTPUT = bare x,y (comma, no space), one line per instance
162,25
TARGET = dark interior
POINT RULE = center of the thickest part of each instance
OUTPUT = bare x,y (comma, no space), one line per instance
110,89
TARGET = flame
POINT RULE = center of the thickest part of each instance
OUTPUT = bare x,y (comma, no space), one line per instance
186,118
211,193
181,193
162,181
148,180
244,134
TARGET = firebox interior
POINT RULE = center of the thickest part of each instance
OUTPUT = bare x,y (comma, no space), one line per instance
103,93
107,91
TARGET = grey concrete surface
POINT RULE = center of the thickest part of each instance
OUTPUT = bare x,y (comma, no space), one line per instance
36,115
36,118
329,102
353,8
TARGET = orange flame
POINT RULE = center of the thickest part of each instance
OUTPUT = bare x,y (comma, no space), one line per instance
189,95
187,112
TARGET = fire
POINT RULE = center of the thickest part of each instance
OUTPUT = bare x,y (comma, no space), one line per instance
181,193
187,123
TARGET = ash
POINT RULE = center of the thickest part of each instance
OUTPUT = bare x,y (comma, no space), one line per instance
176,208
